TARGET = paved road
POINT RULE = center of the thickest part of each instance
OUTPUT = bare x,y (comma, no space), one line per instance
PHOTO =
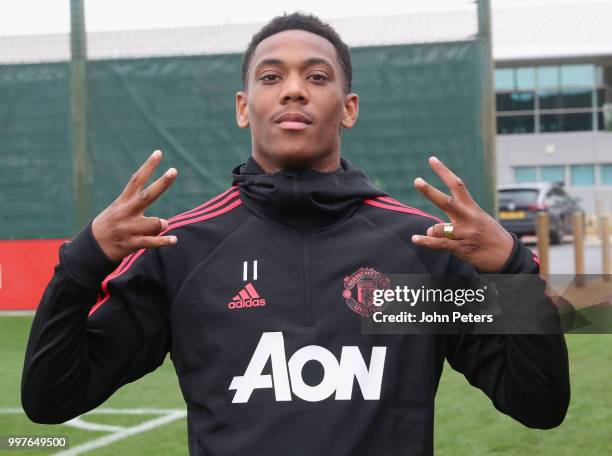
562,257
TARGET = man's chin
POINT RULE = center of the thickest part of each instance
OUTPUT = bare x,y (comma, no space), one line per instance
298,160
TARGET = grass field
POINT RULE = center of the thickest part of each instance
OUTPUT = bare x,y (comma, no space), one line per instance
466,422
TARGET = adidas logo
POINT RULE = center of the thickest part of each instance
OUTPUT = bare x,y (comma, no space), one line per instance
247,297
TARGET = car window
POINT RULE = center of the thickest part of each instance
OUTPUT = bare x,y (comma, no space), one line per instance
518,196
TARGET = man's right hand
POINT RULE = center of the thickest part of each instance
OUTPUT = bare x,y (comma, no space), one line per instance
122,228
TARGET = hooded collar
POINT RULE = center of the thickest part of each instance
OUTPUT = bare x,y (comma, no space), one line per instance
304,199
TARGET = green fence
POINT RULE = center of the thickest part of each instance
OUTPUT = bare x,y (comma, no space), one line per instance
415,101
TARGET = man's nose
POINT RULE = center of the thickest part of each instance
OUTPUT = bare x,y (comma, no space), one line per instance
294,90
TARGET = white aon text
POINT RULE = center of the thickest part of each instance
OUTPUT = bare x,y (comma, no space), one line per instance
338,377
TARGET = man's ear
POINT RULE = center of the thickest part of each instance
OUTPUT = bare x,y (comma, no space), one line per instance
351,110
242,110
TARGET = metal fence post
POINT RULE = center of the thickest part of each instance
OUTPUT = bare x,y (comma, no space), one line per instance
78,110
489,203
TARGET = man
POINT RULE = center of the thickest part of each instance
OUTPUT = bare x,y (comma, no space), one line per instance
253,292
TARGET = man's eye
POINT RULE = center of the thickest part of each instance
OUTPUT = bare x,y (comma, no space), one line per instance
318,77
268,77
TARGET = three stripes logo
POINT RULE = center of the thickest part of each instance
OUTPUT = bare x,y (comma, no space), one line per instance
247,297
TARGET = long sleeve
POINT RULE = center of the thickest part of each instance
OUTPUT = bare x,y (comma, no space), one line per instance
525,375
75,361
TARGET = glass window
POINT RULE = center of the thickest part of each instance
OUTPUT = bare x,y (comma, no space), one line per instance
515,124
576,98
548,77
552,173
601,122
599,75
560,87
515,101
566,98
566,122
521,197
601,97
504,79
550,123
549,99
525,78
577,122
582,175
524,174
583,75
606,174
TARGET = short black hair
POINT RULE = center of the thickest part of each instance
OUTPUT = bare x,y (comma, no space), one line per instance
309,23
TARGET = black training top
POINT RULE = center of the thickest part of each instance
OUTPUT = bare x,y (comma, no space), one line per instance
260,305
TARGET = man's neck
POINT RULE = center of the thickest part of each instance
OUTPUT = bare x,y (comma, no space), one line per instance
326,164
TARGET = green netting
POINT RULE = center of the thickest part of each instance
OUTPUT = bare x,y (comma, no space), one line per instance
35,152
415,101
183,106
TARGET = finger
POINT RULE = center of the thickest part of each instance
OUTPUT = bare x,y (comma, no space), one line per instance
149,226
147,196
454,183
437,230
445,202
154,242
436,243
140,177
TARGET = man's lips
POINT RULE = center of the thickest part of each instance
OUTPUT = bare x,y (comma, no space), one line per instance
292,121
286,125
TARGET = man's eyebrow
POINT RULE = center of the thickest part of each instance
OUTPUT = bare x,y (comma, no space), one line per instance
268,62
319,61
308,62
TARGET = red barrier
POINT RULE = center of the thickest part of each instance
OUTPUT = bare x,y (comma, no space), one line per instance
25,269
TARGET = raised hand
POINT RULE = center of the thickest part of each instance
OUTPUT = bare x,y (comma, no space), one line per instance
476,236
122,228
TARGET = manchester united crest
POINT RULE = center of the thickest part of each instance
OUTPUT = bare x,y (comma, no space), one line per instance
359,290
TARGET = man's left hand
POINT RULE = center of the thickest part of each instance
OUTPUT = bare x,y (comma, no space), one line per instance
476,236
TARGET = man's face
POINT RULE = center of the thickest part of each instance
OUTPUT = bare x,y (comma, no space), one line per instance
295,104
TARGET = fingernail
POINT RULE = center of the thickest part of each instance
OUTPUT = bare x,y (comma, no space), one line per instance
156,154
434,158
164,224
171,172
172,239
416,238
419,181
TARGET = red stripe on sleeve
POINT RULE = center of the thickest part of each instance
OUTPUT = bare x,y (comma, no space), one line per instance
404,209
202,215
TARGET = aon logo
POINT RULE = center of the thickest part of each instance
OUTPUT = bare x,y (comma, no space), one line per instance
337,378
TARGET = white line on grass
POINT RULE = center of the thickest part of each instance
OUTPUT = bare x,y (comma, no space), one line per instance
111,411
118,433
133,411
81,424
16,313
108,439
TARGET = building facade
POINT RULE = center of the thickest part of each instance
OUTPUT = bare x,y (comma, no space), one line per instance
553,83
